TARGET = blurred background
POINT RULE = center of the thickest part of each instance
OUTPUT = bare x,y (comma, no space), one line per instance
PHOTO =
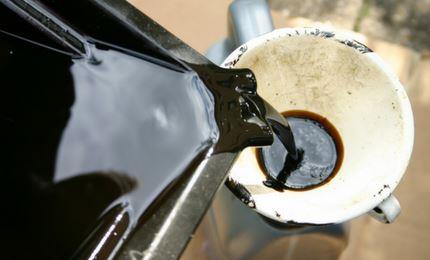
398,30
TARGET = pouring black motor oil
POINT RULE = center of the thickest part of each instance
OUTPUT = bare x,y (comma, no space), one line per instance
307,151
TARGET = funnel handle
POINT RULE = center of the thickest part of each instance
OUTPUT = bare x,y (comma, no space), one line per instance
387,211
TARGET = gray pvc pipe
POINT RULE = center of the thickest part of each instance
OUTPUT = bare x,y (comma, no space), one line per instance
249,19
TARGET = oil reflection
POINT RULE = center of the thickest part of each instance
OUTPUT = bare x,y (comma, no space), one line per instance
69,208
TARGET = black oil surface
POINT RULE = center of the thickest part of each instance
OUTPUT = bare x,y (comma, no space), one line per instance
82,141
306,153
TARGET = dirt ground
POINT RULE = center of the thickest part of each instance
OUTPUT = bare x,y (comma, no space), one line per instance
397,30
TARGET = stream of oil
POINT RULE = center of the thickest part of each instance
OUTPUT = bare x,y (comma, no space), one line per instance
307,151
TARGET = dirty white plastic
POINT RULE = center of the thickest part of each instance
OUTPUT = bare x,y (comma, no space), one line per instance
375,124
